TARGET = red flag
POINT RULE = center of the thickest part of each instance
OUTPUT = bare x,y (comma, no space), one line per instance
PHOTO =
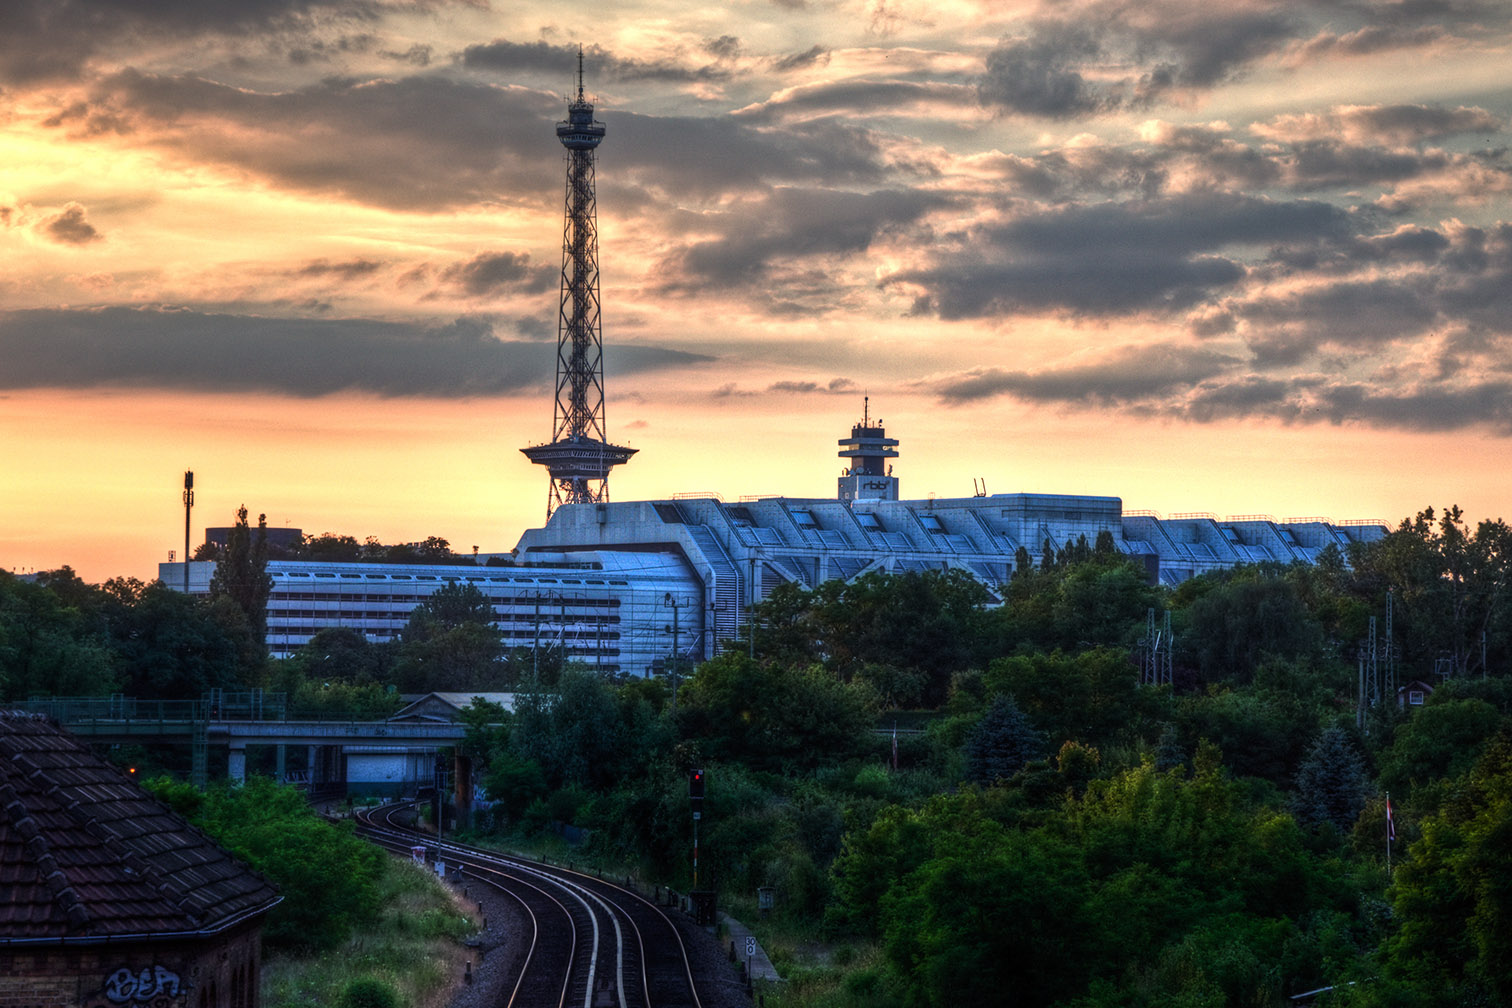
1390,822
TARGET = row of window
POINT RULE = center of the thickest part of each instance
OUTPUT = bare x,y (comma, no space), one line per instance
441,577
548,602
544,619
570,641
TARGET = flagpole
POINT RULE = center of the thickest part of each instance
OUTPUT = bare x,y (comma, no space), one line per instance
1390,832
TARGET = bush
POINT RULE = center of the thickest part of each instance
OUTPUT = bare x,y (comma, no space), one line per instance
273,828
369,992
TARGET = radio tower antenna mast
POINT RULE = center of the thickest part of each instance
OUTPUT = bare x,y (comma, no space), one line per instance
579,456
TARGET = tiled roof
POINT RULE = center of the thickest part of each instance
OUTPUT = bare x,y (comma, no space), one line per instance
85,853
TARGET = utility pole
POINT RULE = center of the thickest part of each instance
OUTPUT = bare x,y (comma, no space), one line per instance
188,506
668,600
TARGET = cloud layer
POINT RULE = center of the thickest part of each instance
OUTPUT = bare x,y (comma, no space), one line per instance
190,350
1134,176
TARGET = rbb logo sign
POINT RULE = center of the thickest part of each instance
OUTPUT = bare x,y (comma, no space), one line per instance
696,789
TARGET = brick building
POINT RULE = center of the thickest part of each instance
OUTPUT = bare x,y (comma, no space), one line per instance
107,898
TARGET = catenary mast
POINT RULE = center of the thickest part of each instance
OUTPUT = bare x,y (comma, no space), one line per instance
579,456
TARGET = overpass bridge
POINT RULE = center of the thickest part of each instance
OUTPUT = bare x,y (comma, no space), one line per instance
239,720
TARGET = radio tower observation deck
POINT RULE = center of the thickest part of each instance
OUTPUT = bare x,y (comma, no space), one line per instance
579,456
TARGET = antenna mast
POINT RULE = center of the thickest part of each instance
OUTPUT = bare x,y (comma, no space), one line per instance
188,507
579,456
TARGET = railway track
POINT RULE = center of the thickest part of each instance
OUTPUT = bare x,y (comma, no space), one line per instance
587,943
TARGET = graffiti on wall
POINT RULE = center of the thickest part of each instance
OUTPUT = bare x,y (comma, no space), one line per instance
154,986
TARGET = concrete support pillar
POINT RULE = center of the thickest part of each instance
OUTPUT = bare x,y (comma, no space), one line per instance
237,770
283,762
311,765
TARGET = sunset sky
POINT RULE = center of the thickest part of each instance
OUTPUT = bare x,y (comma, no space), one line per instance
1242,257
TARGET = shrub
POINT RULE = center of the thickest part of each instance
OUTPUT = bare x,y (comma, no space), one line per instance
369,992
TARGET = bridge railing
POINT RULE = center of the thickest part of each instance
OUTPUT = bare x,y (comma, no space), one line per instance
72,710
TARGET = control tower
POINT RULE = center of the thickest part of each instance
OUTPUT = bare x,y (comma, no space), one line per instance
869,476
579,456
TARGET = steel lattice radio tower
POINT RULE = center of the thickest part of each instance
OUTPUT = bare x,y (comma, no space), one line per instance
579,456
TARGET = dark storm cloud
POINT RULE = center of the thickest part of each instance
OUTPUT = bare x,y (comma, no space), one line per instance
725,47
1408,246
427,142
419,55
413,143
1095,285
796,61
1040,75
352,269
1353,149
1118,54
51,39
1111,258
1246,396
1128,375
703,158
1373,39
542,58
491,273
182,349
1326,164
69,226
1200,386
1454,277
1103,55
1203,44
1361,313
1436,408
1416,123
1179,225
791,224
1430,406
835,386
1477,280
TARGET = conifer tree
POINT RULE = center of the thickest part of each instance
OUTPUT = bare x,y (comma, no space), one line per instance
1331,782
1002,743
241,575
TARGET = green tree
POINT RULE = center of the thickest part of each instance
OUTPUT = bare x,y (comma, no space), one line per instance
1452,896
450,643
1449,584
169,645
1331,784
1092,696
331,548
774,717
910,631
1002,742
1245,617
241,576
993,920
1262,733
575,735
1441,741
48,648
342,654
272,827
